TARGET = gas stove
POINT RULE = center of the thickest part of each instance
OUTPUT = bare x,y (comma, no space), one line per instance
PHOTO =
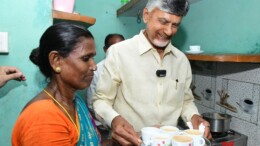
230,138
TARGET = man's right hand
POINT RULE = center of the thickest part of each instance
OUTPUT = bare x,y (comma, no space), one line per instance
124,133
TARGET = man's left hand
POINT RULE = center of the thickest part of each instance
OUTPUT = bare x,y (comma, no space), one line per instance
196,120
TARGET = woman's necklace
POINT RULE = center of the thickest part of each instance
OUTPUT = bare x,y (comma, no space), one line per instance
63,110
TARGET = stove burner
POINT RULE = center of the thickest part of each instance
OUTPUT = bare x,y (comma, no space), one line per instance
222,134
219,134
229,136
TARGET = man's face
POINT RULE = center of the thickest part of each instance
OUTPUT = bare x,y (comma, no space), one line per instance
161,26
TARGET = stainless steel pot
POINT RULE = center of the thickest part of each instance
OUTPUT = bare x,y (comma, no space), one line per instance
219,123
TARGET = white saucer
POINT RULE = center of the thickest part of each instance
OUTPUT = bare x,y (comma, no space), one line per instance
194,52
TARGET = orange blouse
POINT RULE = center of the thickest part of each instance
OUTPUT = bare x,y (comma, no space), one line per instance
42,123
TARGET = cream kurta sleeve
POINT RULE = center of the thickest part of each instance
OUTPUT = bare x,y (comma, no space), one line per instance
189,108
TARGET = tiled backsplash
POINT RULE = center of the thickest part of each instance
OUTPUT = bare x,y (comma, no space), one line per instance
239,81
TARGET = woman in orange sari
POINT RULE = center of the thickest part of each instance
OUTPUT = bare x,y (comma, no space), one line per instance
57,116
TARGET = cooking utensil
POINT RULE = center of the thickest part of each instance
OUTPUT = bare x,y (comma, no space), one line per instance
219,123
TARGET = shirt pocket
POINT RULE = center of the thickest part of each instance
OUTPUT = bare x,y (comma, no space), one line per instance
174,94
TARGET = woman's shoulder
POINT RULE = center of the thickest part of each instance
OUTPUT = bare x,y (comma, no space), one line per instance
39,104
39,108
41,117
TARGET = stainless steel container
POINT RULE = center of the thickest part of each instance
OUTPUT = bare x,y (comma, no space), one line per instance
219,123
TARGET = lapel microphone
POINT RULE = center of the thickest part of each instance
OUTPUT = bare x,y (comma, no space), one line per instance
161,73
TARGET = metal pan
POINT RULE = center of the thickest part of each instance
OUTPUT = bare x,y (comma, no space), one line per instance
219,123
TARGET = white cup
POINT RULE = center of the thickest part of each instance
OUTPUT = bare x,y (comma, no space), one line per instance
247,104
148,132
159,140
196,135
195,48
170,130
207,93
182,140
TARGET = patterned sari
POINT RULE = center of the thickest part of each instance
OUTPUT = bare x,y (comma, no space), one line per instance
89,135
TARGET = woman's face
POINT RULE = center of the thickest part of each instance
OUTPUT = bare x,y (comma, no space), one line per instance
78,68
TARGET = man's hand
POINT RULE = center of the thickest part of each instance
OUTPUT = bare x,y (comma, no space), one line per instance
196,120
124,133
8,73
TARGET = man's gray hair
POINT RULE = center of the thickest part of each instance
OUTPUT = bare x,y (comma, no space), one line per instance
176,7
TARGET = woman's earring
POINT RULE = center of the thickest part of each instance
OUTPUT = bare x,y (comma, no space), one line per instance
57,69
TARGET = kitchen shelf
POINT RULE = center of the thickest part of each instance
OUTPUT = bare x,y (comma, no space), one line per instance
224,58
59,16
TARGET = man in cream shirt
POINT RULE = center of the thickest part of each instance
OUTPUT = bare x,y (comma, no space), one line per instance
146,80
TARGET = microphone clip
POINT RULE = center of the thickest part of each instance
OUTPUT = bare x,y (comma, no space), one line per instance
161,73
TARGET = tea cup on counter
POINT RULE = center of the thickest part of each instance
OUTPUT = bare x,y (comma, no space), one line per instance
148,132
170,130
196,135
182,140
195,48
159,140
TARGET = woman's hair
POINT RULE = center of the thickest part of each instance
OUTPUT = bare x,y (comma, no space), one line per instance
60,37
176,7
